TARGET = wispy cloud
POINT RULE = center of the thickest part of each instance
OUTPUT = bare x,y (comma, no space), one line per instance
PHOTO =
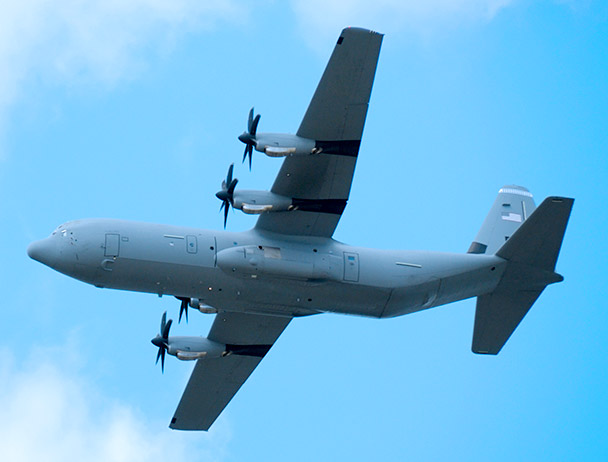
320,19
96,41
51,413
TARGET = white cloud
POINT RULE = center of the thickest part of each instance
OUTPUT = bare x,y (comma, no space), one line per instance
322,19
50,413
92,40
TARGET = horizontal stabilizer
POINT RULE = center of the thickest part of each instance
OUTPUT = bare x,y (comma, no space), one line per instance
531,253
496,317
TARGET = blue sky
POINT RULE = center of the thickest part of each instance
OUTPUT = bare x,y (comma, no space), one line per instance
132,111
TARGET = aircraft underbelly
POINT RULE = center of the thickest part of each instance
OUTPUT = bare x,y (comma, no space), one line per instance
158,277
297,298
260,294
408,299
440,290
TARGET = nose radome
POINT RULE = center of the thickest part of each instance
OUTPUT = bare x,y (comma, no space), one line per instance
42,251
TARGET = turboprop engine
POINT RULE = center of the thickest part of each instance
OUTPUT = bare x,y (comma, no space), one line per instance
257,202
274,144
185,348
283,144
250,201
191,348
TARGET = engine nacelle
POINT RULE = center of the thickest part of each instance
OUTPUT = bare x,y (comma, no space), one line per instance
191,355
257,202
200,305
283,144
191,348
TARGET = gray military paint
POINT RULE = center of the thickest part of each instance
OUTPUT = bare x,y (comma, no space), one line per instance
288,265
232,271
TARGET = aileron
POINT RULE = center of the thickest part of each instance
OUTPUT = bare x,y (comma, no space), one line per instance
339,106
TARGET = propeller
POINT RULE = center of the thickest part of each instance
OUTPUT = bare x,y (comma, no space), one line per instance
162,340
248,137
183,308
226,195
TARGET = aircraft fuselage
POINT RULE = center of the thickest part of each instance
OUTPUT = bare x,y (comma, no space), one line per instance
260,272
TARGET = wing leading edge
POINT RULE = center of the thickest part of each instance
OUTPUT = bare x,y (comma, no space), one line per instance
215,381
320,183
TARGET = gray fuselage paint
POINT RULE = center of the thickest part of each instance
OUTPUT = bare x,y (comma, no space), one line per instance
255,271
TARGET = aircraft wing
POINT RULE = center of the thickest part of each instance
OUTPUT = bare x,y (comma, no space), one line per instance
215,381
319,184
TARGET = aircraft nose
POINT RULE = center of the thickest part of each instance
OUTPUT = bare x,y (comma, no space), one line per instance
42,251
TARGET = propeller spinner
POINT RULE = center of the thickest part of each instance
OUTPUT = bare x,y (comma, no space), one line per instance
162,340
226,195
248,137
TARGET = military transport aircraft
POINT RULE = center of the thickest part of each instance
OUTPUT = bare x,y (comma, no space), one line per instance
288,265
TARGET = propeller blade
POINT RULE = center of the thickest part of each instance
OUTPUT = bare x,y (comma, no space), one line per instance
229,176
230,191
226,194
163,321
248,137
161,354
249,149
245,153
254,126
162,340
165,332
183,308
250,120
225,215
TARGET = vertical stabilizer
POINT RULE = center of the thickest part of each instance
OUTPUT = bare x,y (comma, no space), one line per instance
511,208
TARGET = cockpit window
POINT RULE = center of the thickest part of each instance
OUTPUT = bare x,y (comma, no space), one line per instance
60,230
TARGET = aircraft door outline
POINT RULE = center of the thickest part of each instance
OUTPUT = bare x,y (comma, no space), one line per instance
351,266
112,245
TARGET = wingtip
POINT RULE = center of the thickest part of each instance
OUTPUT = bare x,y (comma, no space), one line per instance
174,425
484,352
568,200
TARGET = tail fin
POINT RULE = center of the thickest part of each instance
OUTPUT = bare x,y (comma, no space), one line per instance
531,253
511,208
